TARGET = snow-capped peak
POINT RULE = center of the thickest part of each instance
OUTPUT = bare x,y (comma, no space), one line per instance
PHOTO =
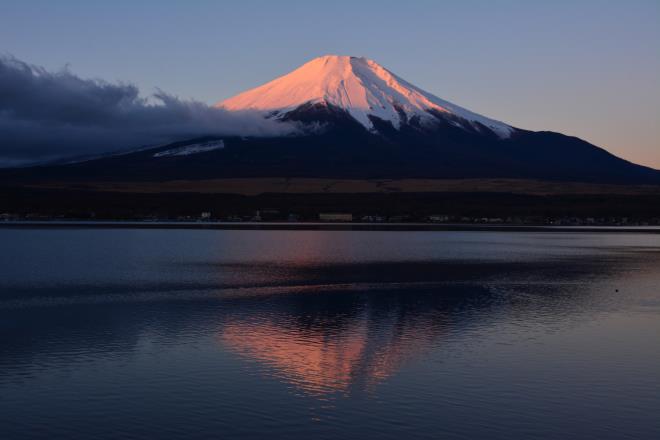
360,86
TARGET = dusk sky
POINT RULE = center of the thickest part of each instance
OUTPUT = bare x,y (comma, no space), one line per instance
588,68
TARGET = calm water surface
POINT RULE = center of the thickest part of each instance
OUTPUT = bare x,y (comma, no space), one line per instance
144,334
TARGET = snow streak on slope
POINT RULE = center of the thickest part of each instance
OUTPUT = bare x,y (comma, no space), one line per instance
361,87
187,150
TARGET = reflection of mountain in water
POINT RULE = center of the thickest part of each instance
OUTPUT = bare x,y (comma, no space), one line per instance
361,340
332,327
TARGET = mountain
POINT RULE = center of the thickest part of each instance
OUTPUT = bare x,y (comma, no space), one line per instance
358,120
362,88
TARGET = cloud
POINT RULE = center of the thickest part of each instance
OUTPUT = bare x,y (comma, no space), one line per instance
51,115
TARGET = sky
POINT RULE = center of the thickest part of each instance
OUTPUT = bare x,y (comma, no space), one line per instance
587,68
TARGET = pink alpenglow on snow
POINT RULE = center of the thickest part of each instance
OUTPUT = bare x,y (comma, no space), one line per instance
359,86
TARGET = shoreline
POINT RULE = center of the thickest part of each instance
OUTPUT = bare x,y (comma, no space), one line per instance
323,226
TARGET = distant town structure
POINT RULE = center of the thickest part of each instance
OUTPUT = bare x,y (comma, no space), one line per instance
335,217
438,218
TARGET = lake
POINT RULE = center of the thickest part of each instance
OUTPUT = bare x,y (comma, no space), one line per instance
196,334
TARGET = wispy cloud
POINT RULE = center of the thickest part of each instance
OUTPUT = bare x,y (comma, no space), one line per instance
49,115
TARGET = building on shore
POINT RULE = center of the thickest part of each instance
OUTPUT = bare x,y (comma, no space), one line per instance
336,217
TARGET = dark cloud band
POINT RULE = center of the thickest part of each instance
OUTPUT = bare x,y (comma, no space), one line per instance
51,115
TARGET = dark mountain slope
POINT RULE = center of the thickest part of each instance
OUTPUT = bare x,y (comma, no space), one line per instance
342,148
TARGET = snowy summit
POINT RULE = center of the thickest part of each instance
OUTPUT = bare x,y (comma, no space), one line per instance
361,87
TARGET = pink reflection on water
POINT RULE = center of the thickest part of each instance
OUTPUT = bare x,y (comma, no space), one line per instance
324,359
